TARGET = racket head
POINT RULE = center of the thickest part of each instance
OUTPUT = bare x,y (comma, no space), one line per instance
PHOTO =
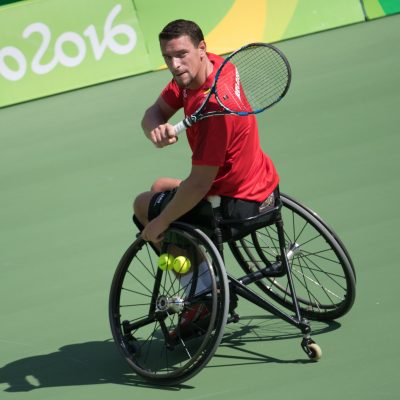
252,79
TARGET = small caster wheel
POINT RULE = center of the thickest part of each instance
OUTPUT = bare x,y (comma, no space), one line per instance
314,351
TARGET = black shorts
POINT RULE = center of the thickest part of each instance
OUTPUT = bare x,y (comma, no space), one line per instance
203,215
202,212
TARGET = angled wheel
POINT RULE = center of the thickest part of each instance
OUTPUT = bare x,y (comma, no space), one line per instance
322,269
168,325
315,352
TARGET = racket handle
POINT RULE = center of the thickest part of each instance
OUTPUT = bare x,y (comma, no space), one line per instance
181,126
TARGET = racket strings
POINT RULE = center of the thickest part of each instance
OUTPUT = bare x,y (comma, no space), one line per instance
262,74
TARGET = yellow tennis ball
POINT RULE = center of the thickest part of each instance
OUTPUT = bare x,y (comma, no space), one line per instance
181,265
166,261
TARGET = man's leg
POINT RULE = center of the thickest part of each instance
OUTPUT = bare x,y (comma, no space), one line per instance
141,207
197,316
142,202
163,184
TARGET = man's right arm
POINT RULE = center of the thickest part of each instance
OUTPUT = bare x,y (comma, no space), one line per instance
155,124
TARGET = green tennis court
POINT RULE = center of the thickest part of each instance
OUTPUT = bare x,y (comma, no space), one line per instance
71,164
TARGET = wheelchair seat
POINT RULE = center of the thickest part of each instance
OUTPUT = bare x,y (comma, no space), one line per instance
207,216
235,229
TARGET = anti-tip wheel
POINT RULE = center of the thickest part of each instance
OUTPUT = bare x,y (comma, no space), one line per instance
314,351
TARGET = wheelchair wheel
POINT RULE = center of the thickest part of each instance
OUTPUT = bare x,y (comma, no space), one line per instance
322,270
168,325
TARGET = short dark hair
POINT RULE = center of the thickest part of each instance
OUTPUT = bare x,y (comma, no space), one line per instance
181,27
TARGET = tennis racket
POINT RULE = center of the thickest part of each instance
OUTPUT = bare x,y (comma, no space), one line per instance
250,80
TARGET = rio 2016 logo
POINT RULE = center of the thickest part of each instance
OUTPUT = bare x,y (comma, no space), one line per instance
98,47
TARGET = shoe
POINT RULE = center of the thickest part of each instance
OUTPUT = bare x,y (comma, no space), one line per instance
192,322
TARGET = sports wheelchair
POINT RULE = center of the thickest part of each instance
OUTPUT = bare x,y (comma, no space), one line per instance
298,271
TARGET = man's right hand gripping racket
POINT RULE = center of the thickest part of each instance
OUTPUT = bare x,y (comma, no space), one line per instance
250,80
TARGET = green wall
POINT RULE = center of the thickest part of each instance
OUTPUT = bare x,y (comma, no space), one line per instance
52,46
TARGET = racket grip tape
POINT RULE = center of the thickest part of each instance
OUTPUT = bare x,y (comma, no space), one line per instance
181,126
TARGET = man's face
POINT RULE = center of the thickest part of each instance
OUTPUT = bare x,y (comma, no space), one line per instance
183,59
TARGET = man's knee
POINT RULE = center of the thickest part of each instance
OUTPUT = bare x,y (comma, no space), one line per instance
141,206
163,184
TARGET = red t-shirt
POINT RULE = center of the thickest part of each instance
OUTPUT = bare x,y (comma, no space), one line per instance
230,142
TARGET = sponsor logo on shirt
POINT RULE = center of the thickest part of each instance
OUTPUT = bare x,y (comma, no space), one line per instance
237,84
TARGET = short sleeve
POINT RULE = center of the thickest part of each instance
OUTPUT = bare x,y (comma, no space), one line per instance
172,95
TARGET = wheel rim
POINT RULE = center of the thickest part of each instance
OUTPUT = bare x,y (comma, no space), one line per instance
148,304
321,271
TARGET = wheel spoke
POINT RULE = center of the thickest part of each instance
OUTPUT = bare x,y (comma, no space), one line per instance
321,269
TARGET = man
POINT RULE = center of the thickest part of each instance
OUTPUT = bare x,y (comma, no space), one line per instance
227,160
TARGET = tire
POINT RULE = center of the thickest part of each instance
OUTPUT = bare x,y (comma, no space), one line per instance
322,270
147,307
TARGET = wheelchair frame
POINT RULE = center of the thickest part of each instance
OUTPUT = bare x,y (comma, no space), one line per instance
167,305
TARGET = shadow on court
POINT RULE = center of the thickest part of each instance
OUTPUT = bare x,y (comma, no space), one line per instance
240,340
99,362
78,364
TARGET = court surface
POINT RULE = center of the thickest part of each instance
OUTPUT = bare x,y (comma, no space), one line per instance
71,164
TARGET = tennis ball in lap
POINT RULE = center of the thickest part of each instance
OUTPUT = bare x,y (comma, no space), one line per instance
181,265
166,261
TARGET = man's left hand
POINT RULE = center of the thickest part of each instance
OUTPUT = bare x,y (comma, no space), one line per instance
154,230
